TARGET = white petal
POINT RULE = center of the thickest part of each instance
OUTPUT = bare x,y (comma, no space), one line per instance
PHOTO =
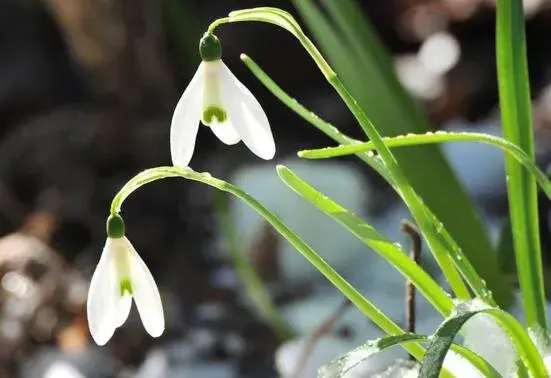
185,121
123,309
102,297
247,115
225,132
146,295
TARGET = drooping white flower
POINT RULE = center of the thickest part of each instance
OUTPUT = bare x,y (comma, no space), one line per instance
220,101
120,276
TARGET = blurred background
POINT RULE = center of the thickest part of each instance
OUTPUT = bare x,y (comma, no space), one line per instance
87,90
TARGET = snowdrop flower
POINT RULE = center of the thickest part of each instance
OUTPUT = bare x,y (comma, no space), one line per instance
120,276
220,101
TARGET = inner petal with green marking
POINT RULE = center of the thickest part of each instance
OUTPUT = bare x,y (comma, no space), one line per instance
126,287
214,114
214,111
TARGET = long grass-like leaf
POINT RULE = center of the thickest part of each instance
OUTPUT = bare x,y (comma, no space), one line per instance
516,115
367,234
410,140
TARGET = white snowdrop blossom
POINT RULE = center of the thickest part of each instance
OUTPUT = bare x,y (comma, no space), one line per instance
120,276
220,101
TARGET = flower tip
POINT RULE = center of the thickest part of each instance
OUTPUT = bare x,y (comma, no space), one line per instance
99,341
180,163
244,57
268,155
265,149
157,331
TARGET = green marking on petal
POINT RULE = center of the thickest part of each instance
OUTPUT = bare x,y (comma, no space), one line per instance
126,287
214,114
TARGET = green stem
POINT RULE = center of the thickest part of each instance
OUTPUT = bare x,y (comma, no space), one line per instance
217,23
363,304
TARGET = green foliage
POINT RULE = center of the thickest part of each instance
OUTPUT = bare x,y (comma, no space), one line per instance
451,228
367,234
353,48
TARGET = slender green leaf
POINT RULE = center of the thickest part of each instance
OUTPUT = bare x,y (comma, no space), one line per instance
437,137
339,367
364,305
393,114
516,115
367,234
445,334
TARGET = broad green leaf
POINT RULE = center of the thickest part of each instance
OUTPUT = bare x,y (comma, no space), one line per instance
516,116
391,109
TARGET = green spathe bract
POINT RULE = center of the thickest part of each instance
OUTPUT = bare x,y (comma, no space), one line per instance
210,48
115,226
